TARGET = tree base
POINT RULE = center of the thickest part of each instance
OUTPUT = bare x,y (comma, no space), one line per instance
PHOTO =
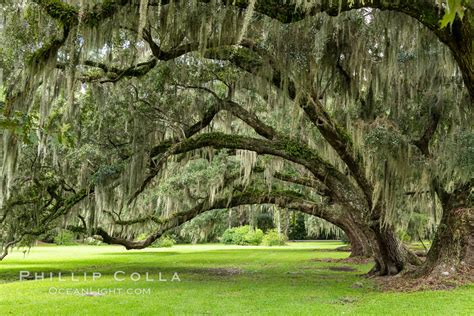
409,282
452,252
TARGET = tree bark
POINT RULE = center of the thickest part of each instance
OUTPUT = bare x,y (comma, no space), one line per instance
391,256
459,40
452,250
359,241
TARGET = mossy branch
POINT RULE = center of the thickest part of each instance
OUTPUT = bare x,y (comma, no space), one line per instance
287,199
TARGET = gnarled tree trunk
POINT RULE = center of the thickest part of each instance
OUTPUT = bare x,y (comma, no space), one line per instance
453,246
360,243
452,250
391,256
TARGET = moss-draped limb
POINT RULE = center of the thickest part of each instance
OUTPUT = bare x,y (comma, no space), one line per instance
7,247
69,15
240,112
182,217
341,142
285,148
58,206
276,144
308,182
458,38
334,134
60,11
287,199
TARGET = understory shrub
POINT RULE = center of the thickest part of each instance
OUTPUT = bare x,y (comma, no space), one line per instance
272,238
254,237
164,242
64,238
229,236
243,235
49,236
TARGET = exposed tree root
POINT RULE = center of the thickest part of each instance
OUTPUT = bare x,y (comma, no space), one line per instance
434,281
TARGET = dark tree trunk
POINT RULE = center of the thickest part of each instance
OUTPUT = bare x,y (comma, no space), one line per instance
453,246
460,44
391,256
452,250
360,243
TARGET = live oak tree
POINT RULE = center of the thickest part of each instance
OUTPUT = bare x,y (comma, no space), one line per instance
364,188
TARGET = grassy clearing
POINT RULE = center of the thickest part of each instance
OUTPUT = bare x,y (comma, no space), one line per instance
215,279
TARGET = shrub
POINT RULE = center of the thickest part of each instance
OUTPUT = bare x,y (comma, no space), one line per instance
243,235
239,235
272,238
165,242
235,235
162,242
49,236
253,237
64,237
228,236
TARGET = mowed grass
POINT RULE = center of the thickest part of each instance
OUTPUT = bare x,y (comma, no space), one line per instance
215,280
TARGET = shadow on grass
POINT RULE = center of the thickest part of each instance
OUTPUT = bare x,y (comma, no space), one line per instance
186,273
223,251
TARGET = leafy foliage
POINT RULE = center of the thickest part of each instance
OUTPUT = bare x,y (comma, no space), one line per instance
165,242
64,238
297,227
244,235
273,238
105,122
454,8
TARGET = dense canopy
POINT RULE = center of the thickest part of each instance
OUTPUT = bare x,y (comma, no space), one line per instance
124,118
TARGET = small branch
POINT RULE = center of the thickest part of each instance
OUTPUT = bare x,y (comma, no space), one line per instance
320,188
424,141
6,248
422,243
83,221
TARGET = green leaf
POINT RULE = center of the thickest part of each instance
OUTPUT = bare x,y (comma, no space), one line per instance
453,8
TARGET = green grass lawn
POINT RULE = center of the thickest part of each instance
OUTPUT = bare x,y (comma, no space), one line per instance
215,279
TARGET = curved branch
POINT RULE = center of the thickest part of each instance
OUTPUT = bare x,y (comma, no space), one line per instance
7,247
240,112
250,118
307,182
334,134
284,199
341,142
424,141
283,147
427,12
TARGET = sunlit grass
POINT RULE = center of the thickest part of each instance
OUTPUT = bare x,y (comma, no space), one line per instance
215,279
